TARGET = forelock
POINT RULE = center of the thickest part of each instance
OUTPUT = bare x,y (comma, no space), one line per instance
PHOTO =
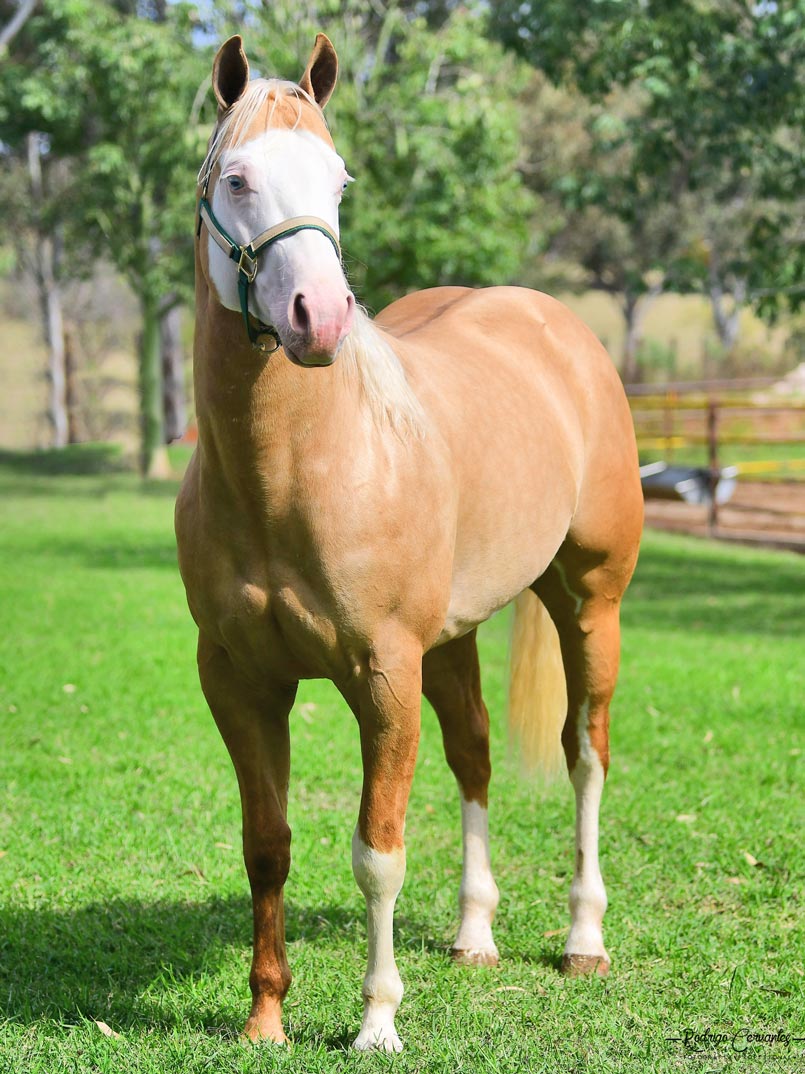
267,102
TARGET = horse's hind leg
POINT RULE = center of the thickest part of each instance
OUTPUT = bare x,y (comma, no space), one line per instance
451,681
254,726
584,602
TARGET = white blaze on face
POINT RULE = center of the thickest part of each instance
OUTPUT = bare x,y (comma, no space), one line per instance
300,286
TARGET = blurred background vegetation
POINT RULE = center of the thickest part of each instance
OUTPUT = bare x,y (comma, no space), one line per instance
643,159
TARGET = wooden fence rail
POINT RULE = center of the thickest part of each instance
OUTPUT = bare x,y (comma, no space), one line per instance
702,422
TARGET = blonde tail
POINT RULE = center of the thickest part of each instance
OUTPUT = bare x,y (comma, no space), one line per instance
537,691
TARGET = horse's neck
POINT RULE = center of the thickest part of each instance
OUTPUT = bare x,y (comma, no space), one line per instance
261,418
254,408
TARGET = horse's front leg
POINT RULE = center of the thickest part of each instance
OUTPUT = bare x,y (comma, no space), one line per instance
387,703
254,725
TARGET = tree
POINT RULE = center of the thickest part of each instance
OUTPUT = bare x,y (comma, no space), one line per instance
140,170
174,401
113,94
46,246
722,98
610,228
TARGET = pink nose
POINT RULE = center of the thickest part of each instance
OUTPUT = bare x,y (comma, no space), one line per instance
320,320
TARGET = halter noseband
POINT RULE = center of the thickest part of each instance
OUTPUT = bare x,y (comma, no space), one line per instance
245,257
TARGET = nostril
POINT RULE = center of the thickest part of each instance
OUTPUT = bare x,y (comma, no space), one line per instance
300,319
350,312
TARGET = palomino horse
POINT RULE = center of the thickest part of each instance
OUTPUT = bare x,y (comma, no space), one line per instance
363,495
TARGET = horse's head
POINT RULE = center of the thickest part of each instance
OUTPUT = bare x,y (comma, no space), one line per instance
272,183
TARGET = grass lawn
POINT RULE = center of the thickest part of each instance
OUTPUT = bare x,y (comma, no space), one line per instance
123,897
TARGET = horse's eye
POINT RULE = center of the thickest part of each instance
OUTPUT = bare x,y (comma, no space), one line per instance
236,184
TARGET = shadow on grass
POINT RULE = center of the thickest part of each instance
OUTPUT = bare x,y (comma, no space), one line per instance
127,553
125,962
78,460
690,585
44,473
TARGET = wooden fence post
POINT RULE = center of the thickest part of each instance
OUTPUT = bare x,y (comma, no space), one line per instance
712,458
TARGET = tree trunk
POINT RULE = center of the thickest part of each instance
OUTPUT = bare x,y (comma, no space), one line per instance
630,367
635,307
45,258
15,23
173,382
76,432
154,456
727,321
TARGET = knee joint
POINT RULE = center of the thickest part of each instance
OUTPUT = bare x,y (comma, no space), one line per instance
268,860
377,874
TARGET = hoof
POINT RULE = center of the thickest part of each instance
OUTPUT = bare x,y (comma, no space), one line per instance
480,957
387,1042
256,1032
584,965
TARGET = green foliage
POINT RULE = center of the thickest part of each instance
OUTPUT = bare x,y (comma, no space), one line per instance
114,95
435,141
721,107
620,226
720,79
123,896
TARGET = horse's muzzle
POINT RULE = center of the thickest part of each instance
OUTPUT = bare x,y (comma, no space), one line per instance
320,322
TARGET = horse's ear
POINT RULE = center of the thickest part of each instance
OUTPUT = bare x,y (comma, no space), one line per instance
321,71
230,72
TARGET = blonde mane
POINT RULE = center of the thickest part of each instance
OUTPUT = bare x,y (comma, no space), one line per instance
365,354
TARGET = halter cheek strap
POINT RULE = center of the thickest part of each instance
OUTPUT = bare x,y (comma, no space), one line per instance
245,257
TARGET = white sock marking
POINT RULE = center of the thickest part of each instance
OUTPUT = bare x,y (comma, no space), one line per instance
380,877
588,898
478,894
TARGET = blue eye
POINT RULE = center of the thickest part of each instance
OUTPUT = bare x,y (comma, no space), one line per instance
235,183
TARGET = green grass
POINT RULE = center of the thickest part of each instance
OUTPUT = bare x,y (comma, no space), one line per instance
730,455
123,897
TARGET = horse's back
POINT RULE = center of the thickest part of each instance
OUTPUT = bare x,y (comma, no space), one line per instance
498,340
502,352
487,320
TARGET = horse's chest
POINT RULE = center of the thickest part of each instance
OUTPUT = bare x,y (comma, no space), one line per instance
266,619
235,610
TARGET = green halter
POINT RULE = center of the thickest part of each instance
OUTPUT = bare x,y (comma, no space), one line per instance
245,257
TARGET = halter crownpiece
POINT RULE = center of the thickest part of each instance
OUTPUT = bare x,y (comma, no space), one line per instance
245,257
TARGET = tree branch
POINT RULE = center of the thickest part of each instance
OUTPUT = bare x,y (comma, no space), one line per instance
16,23
770,292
